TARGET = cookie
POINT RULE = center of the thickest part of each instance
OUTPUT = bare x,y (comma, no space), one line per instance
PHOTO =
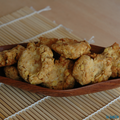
83,70
88,70
72,49
47,41
114,52
60,77
12,72
35,63
10,57
102,68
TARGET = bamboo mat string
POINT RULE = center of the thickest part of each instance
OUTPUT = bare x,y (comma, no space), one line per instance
45,9
27,107
37,36
118,98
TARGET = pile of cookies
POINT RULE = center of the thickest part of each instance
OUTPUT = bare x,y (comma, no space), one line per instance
38,64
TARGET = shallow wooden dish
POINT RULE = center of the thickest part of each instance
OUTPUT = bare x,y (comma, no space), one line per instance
78,90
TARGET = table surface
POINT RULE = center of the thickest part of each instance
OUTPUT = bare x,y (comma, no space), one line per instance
87,18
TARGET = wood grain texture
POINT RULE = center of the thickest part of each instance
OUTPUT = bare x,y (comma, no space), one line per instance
79,90
87,18
63,93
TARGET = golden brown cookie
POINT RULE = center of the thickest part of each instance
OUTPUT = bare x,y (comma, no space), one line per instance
47,41
61,76
88,70
83,70
12,72
9,57
102,68
114,52
116,68
35,63
72,49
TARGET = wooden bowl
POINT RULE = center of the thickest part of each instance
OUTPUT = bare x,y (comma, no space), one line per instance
79,90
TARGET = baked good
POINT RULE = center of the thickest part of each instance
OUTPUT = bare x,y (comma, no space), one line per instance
61,75
12,72
114,52
47,41
88,70
10,57
83,70
69,48
102,68
35,63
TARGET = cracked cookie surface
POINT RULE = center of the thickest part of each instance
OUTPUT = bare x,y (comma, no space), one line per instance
83,70
10,57
12,72
114,52
88,70
69,48
61,76
47,41
35,62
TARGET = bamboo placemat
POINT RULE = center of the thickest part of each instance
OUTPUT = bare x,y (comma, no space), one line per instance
15,104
